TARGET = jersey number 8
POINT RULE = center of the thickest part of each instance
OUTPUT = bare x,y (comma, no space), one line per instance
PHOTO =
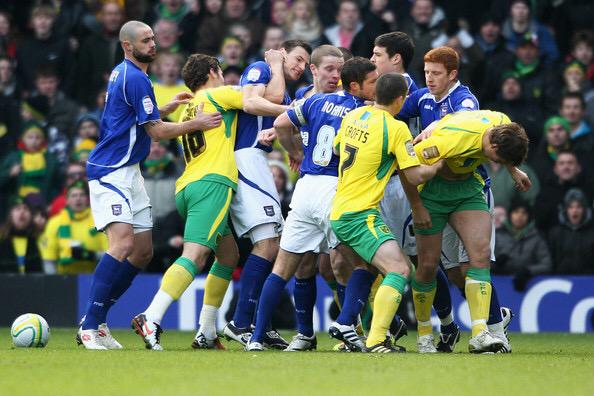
322,152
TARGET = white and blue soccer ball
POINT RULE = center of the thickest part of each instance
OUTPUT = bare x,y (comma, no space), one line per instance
30,331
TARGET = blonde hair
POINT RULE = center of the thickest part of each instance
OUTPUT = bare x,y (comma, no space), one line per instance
315,26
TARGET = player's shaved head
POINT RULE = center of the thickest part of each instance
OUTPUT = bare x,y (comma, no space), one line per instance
130,30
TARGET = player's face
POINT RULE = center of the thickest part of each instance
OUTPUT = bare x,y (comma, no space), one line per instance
367,91
382,60
77,200
438,79
295,63
328,74
144,47
556,135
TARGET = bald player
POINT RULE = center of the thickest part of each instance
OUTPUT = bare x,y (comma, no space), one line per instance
119,202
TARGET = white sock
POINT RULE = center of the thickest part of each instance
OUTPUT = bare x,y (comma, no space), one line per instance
447,320
158,307
208,321
496,328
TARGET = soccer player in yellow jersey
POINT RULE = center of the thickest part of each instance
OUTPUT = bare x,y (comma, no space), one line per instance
371,144
203,193
456,196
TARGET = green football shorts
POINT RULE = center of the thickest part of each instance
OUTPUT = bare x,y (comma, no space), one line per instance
205,207
442,197
363,231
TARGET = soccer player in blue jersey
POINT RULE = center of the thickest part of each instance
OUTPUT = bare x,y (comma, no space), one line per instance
443,95
308,226
255,209
119,201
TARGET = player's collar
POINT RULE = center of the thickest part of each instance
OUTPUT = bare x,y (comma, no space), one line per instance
448,94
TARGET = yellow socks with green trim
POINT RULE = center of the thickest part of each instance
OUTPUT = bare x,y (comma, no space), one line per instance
216,285
387,300
478,295
176,280
423,295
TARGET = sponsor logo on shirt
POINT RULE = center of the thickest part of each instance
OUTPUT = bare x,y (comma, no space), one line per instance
430,152
468,103
409,148
147,104
253,75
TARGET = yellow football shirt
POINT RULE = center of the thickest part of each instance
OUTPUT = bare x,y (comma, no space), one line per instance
371,143
458,138
165,93
209,154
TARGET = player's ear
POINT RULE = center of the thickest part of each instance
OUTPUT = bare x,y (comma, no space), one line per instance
396,59
453,75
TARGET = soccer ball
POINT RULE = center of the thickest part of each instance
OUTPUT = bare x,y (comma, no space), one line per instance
30,331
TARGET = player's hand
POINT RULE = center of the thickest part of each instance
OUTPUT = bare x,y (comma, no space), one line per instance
522,180
295,161
178,100
176,241
207,121
267,136
422,136
274,57
421,217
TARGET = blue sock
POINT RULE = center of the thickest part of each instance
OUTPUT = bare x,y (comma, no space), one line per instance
340,291
254,273
126,274
271,293
357,292
494,308
99,296
442,303
305,299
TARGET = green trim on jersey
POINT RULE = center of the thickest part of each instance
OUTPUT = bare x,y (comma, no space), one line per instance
228,115
387,159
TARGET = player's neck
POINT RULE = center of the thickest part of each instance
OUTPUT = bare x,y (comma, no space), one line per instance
140,65
389,109
446,91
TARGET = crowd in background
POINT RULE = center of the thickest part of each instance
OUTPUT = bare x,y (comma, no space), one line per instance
533,60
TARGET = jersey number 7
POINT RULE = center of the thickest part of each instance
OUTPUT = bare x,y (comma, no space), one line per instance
351,152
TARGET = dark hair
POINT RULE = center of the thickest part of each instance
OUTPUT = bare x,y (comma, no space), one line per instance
46,70
389,87
512,142
567,151
195,71
574,95
290,45
355,70
7,229
582,36
346,53
397,43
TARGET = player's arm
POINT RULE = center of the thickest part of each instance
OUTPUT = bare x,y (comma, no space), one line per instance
285,132
178,100
422,173
158,129
521,179
275,89
420,214
260,106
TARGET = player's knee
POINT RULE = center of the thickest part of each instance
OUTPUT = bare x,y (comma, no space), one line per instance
121,248
306,269
266,248
425,274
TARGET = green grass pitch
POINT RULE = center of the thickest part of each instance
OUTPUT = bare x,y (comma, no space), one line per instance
542,364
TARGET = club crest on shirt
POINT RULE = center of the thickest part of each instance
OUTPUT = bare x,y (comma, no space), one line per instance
269,210
147,104
409,148
430,152
116,209
443,109
253,75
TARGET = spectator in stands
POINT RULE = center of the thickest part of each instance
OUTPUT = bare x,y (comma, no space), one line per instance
211,29
97,110
520,249
426,26
521,24
242,31
31,168
556,138
472,58
61,112
279,12
499,216
70,243
572,240
346,32
232,53
303,23
42,49
540,83
272,39
167,36
87,134
512,102
503,186
168,83
573,109
497,57
232,75
98,54
160,172
237,11
280,173
173,10
568,174
19,252
582,50
9,107
8,44
189,26
75,171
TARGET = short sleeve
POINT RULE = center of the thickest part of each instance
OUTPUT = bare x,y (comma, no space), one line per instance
402,145
232,98
140,95
257,73
299,115
466,103
410,109
434,148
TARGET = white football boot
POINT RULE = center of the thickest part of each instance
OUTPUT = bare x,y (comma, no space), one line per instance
425,344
